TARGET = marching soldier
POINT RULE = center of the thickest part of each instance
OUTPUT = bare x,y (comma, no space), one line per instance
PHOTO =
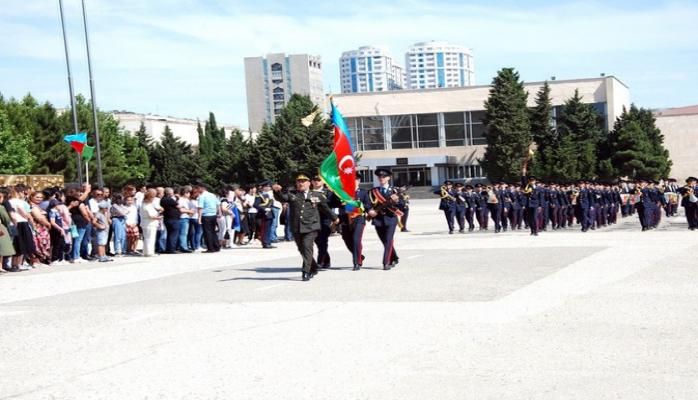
689,202
448,203
323,238
306,206
353,225
482,211
386,210
461,206
471,206
494,204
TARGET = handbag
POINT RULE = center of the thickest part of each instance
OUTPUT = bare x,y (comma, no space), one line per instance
74,232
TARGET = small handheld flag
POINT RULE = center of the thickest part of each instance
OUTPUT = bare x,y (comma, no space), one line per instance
77,141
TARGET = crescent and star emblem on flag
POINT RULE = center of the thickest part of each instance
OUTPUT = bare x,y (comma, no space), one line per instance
349,161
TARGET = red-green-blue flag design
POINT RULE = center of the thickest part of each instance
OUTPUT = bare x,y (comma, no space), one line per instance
77,141
338,170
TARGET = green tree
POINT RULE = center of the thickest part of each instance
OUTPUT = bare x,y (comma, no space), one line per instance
507,127
584,126
138,167
16,156
544,134
634,148
173,161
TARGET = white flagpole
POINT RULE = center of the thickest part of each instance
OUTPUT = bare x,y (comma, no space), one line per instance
87,171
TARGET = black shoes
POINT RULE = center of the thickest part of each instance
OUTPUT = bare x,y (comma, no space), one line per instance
306,276
387,267
461,231
450,232
269,247
356,268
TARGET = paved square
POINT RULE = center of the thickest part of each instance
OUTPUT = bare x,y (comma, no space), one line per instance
566,315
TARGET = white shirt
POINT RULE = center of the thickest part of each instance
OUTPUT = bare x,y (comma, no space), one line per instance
132,215
249,201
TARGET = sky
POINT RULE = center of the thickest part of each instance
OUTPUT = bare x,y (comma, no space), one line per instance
184,58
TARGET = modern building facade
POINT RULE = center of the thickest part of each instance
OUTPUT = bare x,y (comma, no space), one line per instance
183,128
271,80
427,136
370,69
439,65
680,129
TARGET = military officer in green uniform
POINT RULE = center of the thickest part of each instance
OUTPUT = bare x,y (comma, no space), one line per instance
305,208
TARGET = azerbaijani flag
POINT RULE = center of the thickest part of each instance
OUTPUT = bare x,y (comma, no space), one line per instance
338,170
77,141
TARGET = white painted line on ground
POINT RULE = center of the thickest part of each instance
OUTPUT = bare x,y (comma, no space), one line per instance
414,256
270,286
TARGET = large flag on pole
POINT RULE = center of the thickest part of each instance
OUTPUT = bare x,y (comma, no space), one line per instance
77,141
338,170
87,152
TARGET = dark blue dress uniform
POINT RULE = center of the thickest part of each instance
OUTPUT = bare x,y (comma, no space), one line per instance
534,202
447,203
352,227
494,204
387,218
470,206
482,211
461,207
688,194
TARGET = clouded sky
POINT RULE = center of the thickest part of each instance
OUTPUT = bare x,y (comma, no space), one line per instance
185,57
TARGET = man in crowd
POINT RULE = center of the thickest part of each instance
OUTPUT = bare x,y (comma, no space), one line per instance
209,210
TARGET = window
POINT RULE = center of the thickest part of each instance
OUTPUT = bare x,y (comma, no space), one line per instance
454,125
401,131
427,130
477,128
372,133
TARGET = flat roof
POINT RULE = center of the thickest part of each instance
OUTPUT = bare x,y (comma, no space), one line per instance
669,112
452,89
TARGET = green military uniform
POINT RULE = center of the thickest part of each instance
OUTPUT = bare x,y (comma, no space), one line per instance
304,219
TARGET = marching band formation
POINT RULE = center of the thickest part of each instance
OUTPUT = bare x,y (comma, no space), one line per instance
541,206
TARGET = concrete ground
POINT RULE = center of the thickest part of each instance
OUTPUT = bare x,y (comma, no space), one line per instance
610,314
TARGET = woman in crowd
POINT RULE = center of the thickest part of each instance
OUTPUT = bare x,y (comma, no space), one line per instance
226,220
42,237
185,206
81,219
150,221
6,248
118,213
196,232
24,238
56,232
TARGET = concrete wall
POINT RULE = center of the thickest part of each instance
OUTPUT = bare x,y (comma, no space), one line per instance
681,139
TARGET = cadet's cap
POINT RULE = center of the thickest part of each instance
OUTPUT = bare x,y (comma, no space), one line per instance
671,180
532,178
691,178
317,178
302,177
479,185
468,186
383,172
447,182
458,184
264,182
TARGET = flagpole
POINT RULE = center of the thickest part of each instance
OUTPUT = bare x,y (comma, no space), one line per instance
70,89
100,180
87,170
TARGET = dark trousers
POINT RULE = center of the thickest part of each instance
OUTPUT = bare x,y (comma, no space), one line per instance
352,234
469,214
264,231
690,209
504,217
450,215
496,213
57,245
172,227
386,234
304,242
533,217
322,241
460,217
210,226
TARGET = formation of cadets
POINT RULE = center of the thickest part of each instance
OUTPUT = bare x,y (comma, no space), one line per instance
313,220
540,206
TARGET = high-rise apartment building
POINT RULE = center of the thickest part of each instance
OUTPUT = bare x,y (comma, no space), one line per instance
439,65
370,69
271,80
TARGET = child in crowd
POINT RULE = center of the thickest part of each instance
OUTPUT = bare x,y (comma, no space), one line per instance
101,225
132,232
